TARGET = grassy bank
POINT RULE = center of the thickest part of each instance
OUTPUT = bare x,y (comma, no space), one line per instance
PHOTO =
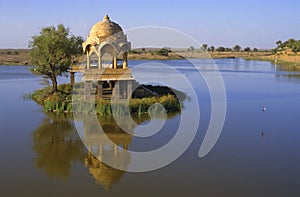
280,62
183,54
61,102
287,58
284,58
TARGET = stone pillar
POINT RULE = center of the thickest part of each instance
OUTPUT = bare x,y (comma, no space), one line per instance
117,89
115,150
129,89
72,78
88,63
100,90
110,85
99,62
100,152
115,62
124,89
87,89
125,64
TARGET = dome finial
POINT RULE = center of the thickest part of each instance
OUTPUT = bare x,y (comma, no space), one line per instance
106,18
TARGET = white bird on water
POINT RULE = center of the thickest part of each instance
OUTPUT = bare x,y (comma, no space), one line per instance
264,109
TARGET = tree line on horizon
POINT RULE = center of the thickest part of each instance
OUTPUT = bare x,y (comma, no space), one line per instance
291,43
235,48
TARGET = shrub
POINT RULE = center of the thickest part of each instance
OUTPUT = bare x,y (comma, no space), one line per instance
220,49
247,49
236,48
134,52
162,52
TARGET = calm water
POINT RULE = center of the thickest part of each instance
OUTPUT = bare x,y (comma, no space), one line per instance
42,154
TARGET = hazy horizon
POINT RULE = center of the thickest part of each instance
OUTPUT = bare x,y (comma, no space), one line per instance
247,23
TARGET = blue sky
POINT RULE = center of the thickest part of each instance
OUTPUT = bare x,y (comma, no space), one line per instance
255,23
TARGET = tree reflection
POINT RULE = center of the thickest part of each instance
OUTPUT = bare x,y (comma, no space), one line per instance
289,68
57,146
290,73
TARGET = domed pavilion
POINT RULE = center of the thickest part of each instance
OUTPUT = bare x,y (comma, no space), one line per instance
106,49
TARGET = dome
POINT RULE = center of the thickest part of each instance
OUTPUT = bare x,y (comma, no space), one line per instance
105,28
106,32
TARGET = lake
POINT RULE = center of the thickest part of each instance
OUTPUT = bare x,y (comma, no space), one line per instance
257,153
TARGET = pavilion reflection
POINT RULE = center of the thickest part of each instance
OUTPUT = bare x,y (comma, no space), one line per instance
109,144
58,147
102,173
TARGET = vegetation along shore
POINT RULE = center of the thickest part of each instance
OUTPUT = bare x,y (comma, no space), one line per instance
62,101
286,53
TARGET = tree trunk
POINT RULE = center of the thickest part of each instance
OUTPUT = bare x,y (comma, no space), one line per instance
54,84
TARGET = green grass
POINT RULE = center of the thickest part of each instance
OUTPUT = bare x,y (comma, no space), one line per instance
278,62
61,101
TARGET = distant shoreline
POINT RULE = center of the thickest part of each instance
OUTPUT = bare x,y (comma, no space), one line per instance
14,57
20,57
